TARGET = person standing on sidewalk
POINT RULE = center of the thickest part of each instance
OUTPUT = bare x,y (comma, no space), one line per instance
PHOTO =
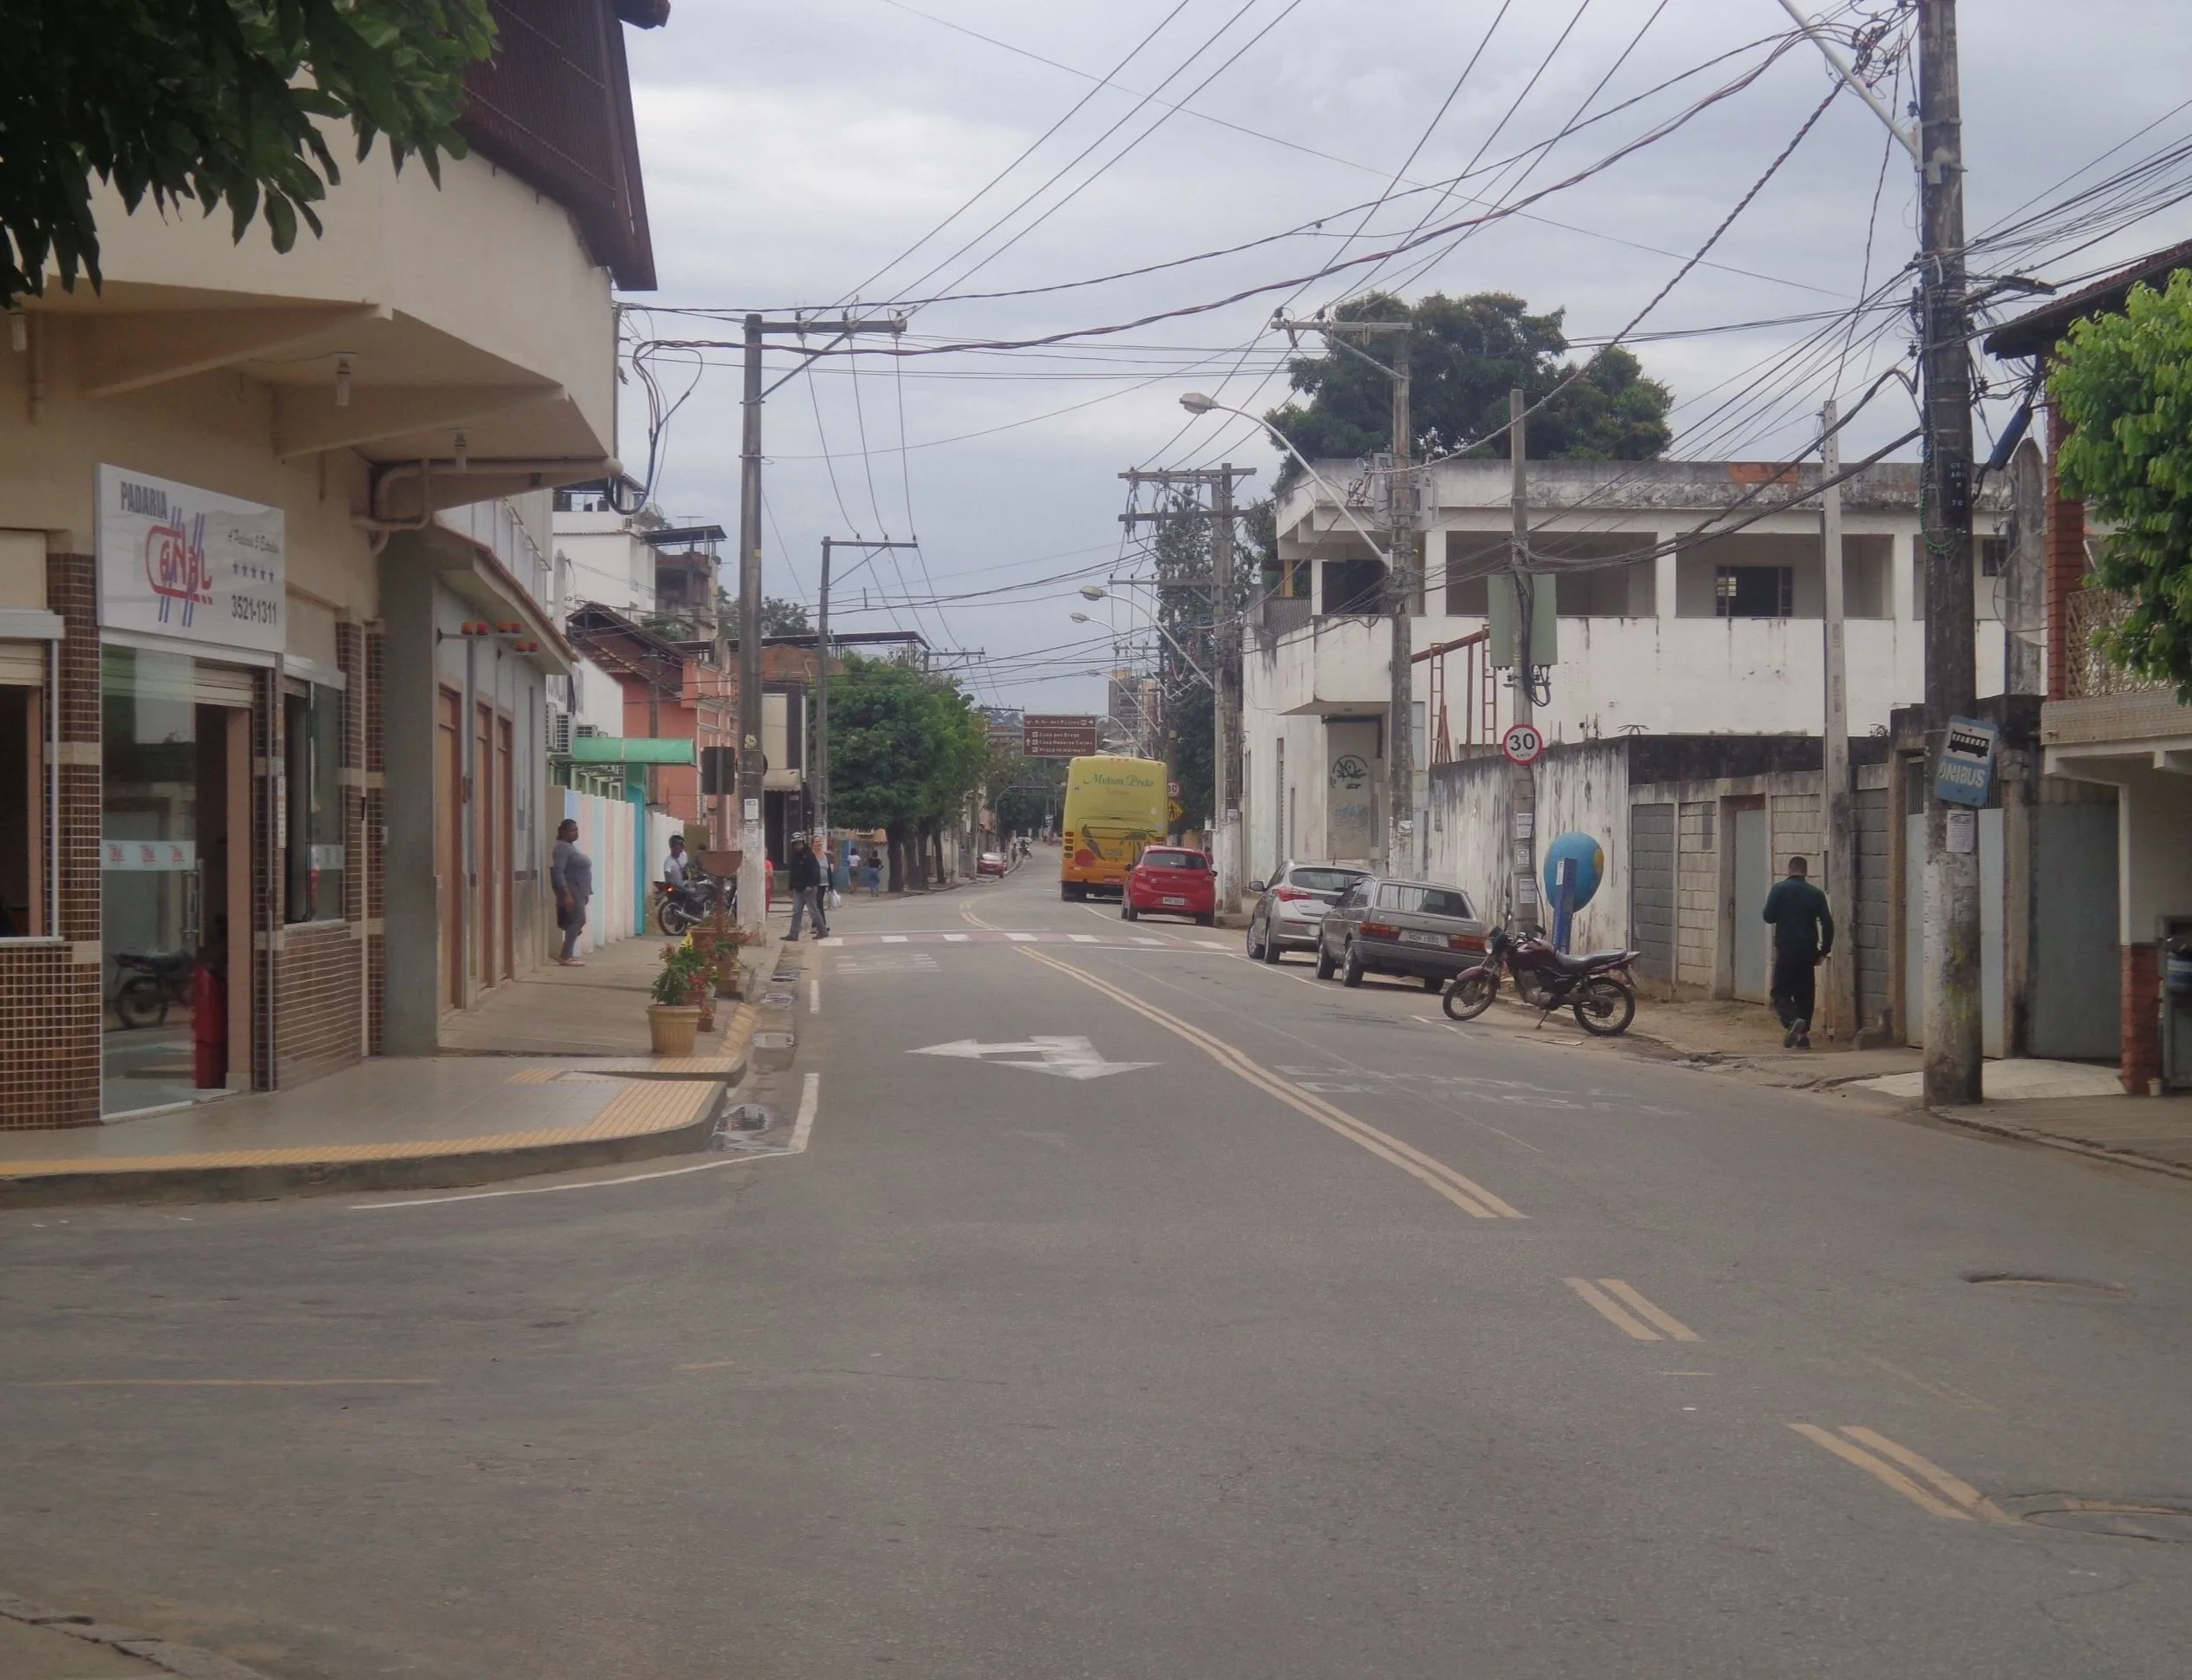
571,872
874,866
808,889
1803,937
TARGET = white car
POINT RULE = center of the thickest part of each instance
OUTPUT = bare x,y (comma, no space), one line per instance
1292,905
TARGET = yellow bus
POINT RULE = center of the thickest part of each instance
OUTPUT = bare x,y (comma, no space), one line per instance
1113,807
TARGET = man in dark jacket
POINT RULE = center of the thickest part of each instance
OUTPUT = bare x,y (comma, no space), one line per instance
1803,934
807,890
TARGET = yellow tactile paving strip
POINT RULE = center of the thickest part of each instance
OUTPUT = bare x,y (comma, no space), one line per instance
636,1111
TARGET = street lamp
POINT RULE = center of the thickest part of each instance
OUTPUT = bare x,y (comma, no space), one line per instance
1196,404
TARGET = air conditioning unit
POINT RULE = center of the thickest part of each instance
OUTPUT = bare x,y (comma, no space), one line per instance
559,732
585,731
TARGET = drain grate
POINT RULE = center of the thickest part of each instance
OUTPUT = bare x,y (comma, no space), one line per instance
779,1000
2043,1283
2162,1522
773,1041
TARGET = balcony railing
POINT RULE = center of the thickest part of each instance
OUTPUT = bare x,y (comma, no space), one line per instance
2087,671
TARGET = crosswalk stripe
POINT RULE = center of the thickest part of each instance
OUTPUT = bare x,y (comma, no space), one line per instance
893,938
1084,939
955,939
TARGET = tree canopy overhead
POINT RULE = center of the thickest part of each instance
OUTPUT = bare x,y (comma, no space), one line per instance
216,100
2124,384
905,751
1466,354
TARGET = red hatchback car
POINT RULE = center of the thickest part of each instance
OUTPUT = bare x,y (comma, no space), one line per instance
1170,880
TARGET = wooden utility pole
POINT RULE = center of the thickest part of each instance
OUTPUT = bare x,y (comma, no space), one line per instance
1524,798
752,839
1841,1016
1953,1031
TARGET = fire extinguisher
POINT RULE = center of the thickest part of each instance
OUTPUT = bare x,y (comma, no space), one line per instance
208,1027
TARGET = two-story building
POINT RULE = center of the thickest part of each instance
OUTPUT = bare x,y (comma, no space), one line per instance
272,525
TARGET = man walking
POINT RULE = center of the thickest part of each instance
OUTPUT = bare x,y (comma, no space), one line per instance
1803,937
808,889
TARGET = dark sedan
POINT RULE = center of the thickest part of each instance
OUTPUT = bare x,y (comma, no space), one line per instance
1415,929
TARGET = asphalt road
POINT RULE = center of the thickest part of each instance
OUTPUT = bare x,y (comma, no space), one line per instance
1325,1340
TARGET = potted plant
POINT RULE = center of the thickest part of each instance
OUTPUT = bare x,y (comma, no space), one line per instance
673,1019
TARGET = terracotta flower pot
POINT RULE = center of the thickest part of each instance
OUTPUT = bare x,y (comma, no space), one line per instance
672,1027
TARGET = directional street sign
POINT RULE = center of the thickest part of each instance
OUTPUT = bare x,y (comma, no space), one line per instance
1057,735
1066,1058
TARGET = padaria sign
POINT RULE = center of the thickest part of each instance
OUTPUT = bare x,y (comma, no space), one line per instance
178,561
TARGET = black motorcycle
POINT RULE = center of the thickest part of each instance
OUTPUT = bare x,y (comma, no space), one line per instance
1596,986
680,909
151,984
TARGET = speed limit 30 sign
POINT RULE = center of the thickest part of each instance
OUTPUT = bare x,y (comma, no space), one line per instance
1522,743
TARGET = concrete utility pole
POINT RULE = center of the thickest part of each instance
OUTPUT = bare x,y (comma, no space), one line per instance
1400,750
1518,558
1224,677
752,840
822,676
1953,1031
1400,757
1842,1022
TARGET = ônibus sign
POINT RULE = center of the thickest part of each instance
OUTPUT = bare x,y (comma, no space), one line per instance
1522,743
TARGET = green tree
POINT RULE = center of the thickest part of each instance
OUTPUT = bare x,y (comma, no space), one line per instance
221,102
1466,354
2123,384
781,618
904,752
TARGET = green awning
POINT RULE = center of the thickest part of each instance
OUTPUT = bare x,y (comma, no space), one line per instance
629,749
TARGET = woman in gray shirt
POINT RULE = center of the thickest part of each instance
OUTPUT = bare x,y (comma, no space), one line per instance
572,873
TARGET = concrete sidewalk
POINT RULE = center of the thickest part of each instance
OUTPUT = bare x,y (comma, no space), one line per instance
2076,1106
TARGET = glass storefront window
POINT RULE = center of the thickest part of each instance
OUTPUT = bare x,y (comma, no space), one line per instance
313,731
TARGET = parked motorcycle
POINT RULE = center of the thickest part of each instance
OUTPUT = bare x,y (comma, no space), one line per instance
150,984
680,909
1596,986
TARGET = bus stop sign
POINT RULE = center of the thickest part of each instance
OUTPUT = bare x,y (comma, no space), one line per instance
1964,774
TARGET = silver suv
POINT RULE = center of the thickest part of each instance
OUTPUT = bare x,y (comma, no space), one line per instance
1293,904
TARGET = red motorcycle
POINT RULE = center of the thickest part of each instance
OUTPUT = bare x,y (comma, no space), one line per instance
1596,986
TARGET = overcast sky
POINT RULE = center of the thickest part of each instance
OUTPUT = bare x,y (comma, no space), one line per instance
795,155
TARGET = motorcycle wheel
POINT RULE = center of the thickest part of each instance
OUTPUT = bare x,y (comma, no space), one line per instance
142,1001
1469,995
674,919
1604,1007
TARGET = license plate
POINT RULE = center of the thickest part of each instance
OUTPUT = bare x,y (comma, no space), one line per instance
1409,936
1176,902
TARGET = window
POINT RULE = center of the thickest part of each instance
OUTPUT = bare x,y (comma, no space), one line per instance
1323,881
1354,586
1754,591
1590,588
22,797
1293,580
312,724
1411,900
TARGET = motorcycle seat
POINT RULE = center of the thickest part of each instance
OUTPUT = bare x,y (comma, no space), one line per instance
1590,959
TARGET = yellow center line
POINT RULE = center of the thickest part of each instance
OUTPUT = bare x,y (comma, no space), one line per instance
1925,1498
236,1383
1464,1192
1955,1487
1610,1310
1666,1321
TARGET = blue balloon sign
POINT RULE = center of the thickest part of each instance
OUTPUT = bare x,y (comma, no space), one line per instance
1589,858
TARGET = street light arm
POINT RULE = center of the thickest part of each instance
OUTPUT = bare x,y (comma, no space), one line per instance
1204,405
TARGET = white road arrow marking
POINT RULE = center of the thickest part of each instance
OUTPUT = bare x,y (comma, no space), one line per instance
1067,1058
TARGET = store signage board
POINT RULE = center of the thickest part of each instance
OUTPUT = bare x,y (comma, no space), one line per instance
1059,735
178,561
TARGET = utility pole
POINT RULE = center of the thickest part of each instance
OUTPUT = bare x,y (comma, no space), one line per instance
1400,757
821,677
1842,1015
1523,776
1224,673
1953,1031
753,911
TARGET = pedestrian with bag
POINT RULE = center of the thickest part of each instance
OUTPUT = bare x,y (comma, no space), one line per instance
806,885
1803,937
571,873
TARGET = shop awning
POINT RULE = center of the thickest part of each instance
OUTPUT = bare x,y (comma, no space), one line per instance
630,749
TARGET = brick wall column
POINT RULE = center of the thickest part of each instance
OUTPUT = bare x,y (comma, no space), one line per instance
50,999
2066,562
373,876
2142,1018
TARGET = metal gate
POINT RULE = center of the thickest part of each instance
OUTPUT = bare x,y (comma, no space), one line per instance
1651,888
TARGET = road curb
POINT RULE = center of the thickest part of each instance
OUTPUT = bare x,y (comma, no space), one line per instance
297,1179
192,1661
2069,1145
